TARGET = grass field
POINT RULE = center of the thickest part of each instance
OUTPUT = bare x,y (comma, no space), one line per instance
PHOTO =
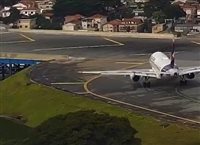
37,103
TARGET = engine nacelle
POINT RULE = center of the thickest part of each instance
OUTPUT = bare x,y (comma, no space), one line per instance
190,76
135,78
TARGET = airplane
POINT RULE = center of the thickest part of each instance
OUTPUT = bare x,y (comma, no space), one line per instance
161,67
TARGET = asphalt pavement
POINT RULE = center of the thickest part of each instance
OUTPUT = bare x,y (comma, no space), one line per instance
101,53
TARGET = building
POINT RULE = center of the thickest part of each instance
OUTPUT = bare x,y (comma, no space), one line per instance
73,18
141,1
87,24
26,23
138,12
198,11
131,25
185,28
5,12
45,5
73,22
112,26
98,21
72,26
24,4
158,28
20,6
28,11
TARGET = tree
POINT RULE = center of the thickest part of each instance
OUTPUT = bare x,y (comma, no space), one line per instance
8,2
173,11
85,128
155,5
84,7
70,7
170,11
159,17
14,16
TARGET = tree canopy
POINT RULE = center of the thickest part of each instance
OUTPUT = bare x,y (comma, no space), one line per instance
14,16
84,7
170,11
84,128
8,2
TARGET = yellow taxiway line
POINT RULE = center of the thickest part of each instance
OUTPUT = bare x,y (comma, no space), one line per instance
132,105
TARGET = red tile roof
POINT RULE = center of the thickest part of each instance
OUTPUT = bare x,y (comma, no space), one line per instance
115,22
97,16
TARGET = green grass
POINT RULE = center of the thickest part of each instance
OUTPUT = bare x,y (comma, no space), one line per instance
37,103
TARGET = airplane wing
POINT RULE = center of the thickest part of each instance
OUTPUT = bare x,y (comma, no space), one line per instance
138,72
188,70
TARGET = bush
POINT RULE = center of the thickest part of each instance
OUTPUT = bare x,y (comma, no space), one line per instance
85,128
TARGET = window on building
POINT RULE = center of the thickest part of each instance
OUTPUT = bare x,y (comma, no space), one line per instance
20,26
26,26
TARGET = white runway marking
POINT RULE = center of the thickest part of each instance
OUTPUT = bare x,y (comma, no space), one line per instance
73,47
12,42
198,43
68,83
123,62
116,42
30,39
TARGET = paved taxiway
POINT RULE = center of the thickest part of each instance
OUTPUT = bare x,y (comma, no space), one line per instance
164,96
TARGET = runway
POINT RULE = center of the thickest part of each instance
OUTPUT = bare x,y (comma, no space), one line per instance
165,96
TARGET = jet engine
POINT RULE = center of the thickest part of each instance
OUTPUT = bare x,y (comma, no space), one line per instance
190,76
135,78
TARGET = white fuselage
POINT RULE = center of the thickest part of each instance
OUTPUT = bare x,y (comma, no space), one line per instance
160,64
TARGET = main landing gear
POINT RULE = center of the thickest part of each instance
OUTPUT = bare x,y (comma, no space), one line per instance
183,81
146,83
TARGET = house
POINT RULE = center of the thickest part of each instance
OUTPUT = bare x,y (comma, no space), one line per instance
198,11
20,6
87,24
98,21
26,23
45,5
189,9
185,28
158,28
112,26
138,12
5,12
72,25
24,4
131,25
28,11
141,1
73,18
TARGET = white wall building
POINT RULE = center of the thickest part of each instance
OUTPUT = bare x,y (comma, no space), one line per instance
28,12
20,6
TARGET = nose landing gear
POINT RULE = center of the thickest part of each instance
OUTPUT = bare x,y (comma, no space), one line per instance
146,83
183,81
